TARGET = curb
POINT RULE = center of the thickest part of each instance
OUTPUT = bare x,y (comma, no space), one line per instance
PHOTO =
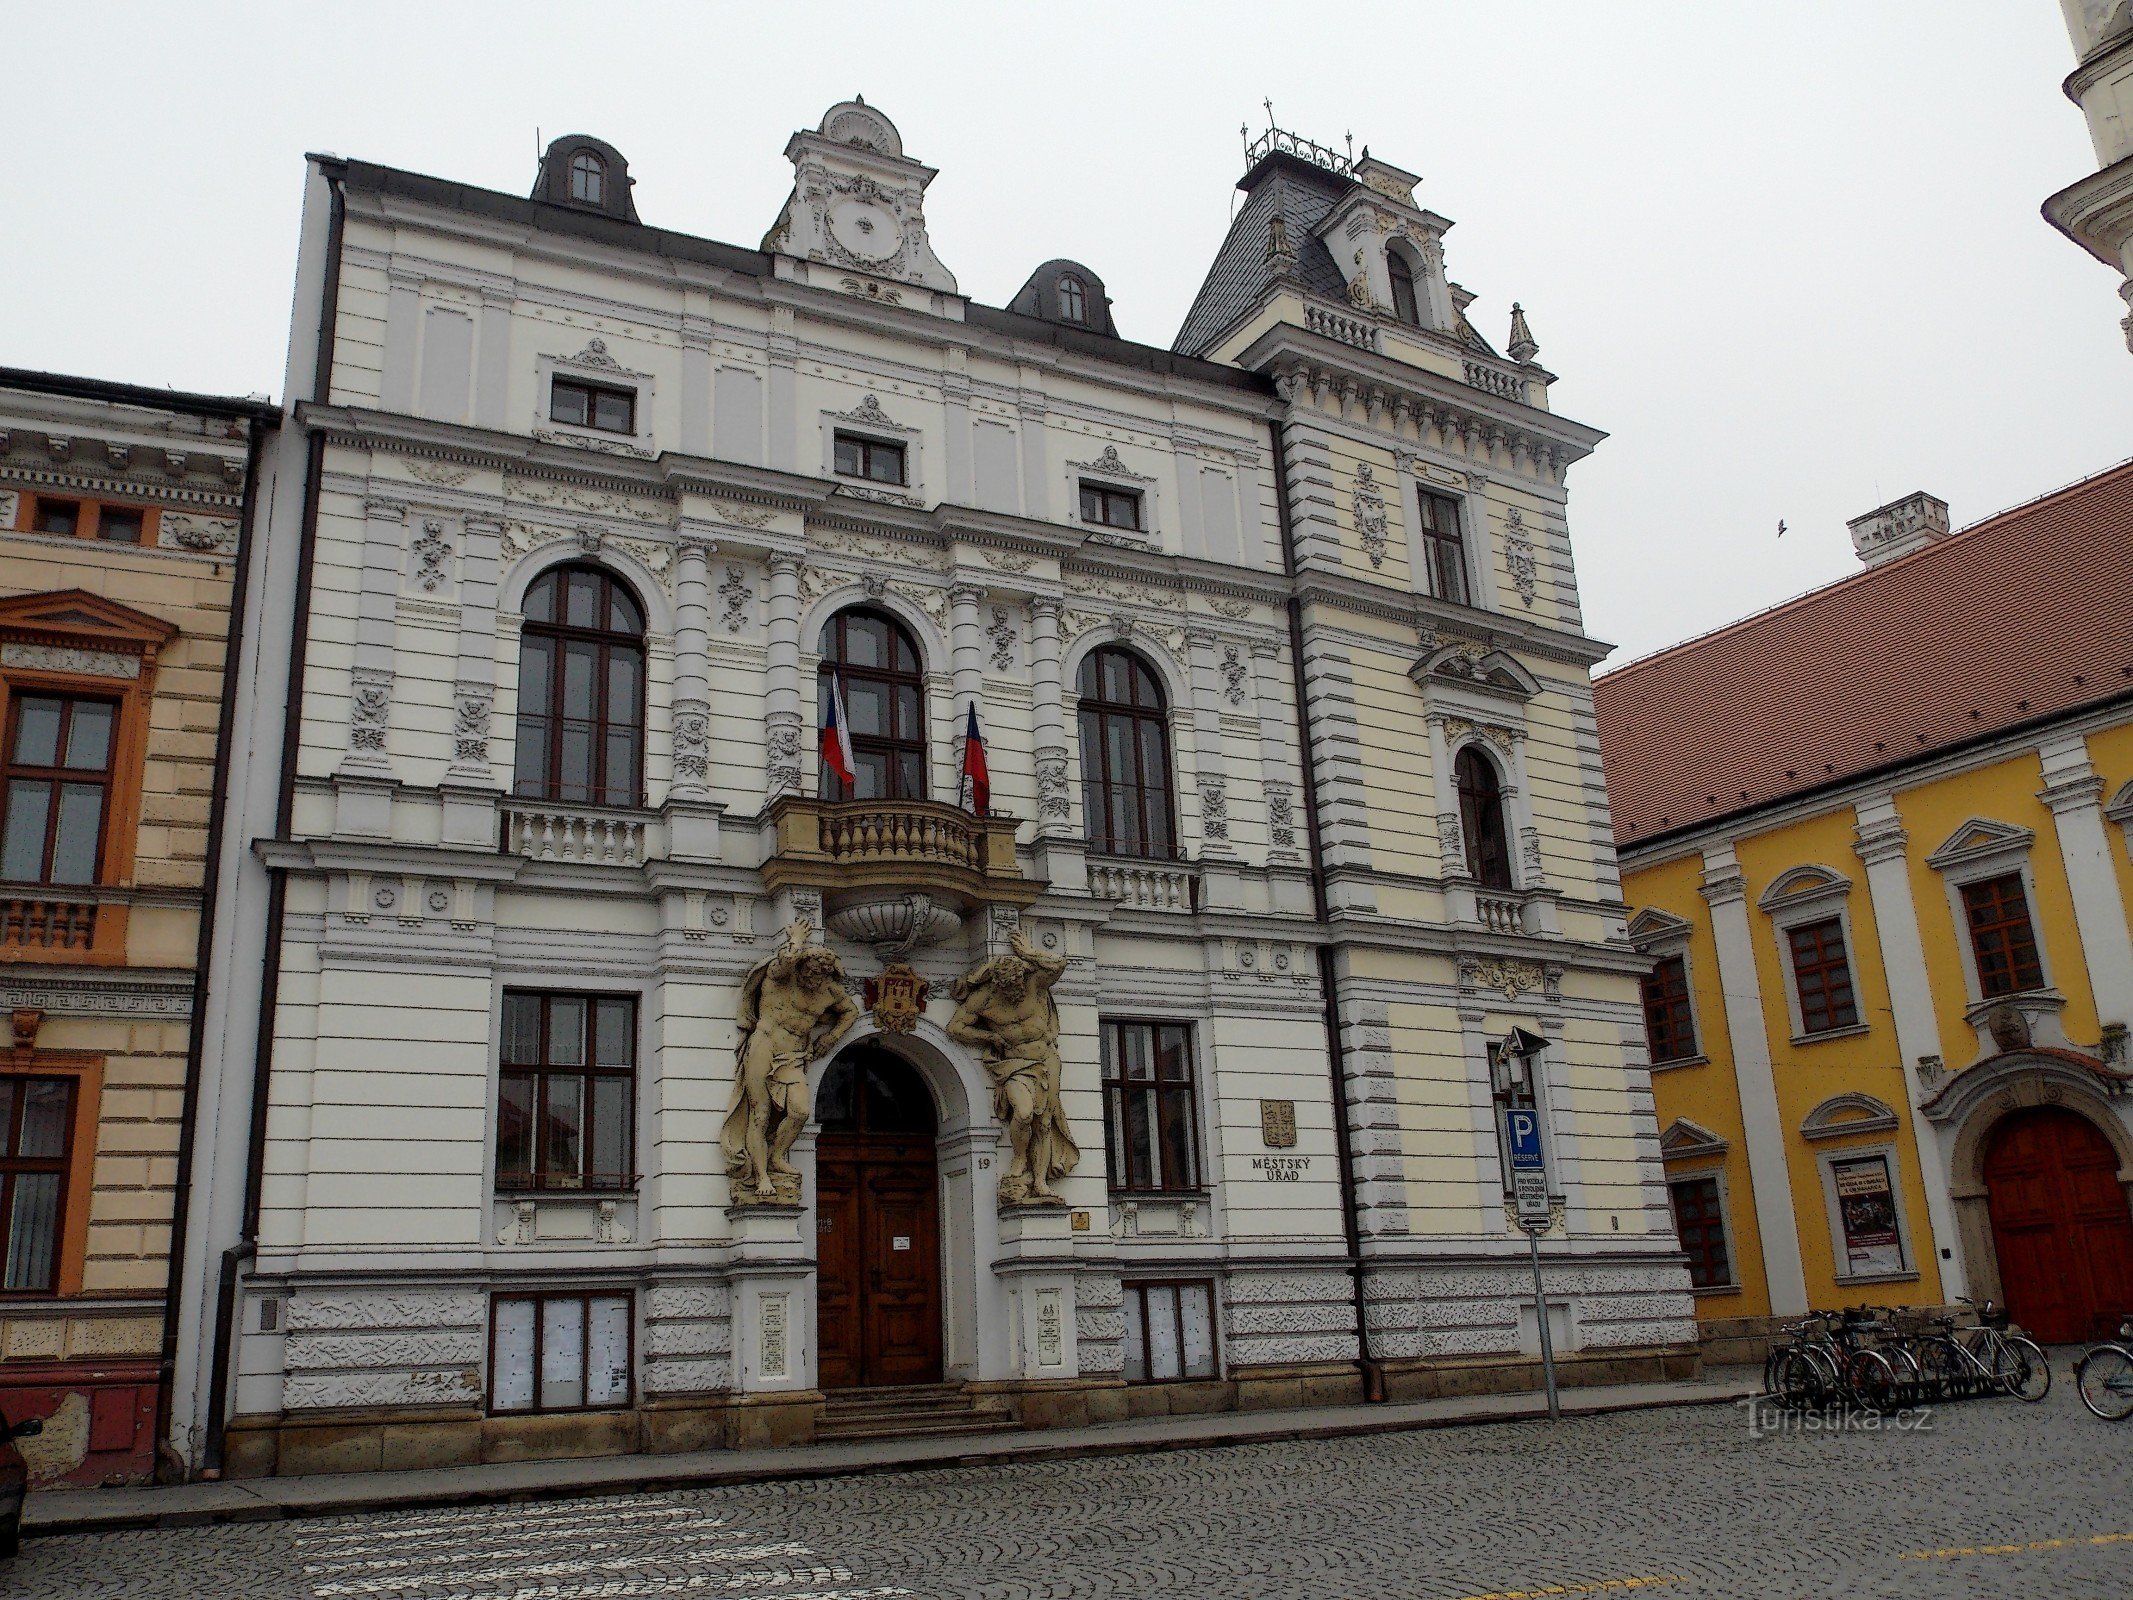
653,1481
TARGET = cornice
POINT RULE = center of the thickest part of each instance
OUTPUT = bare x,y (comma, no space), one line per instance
2097,211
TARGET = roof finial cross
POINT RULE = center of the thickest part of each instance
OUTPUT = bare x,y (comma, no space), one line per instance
1269,104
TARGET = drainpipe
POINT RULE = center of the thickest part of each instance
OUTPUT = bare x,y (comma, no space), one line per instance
1328,980
203,948
247,1246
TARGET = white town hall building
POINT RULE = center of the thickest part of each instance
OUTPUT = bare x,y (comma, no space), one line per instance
580,531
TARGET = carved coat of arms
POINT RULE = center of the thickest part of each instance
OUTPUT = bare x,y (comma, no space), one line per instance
1277,1124
897,999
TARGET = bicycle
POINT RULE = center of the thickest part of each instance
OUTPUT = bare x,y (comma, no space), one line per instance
2104,1376
1804,1374
2016,1362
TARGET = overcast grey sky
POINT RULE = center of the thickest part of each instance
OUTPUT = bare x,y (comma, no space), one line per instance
1788,255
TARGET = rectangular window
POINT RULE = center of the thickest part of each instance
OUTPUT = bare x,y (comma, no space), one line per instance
1111,508
870,459
559,1352
58,781
1866,1217
62,517
567,1093
1443,548
1669,1023
2001,936
36,1131
1170,1331
592,405
1151,1143
119,524
67,518
1823,976
1701,1223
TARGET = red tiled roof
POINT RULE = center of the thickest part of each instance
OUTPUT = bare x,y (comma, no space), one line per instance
2024,616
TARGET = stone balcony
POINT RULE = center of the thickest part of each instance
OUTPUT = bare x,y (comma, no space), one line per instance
62,924
860,853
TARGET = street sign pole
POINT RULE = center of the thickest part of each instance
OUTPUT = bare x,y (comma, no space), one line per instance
1540,1312
1529,1192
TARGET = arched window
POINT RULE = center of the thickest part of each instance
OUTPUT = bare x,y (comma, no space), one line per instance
875,659
588,178
1404,304
1072,302
581,690
1125,757
1488,850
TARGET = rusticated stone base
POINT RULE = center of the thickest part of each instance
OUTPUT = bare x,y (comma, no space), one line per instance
392,1439
1441,1378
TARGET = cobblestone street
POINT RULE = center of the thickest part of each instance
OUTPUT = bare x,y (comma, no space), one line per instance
1990,1498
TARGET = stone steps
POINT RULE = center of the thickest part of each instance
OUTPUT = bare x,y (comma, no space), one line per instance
923,1409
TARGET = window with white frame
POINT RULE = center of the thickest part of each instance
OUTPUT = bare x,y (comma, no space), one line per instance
1806,906
1170,1330
1984,865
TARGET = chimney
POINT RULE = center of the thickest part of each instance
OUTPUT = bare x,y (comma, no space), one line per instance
1899,527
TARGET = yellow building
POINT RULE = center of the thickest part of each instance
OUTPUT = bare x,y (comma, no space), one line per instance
119,545
1875,841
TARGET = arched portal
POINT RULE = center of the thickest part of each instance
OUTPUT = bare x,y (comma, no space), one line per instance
877,1223
2060,1224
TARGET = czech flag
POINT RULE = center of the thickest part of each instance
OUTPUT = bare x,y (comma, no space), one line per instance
837,737
974,768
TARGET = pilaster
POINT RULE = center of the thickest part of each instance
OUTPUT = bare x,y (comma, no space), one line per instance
2073,790
1054,814
782,716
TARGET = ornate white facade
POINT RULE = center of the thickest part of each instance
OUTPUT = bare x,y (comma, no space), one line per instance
357,1233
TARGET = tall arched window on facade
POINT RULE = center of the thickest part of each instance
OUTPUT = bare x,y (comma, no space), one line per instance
1072,301
875,659
581,691
1488,849
588,178
1125,757
1404,304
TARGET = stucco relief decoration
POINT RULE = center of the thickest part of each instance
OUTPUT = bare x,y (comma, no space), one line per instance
1007,560
1002,635
590,540
1237,610
369,706
793,1009
1052,788
896,999
432,551
1214,808
204,535
742,516
1280,816
692,746
1529,852
735,594
1451,844
1513,978
1369,502
783,746
595,355
470,726
437,472
1234,673
1108,465
1004,1011
70,658
1518,556
869,413
540,492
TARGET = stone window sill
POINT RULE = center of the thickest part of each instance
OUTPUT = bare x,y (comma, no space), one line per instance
1878,1277
1697,1060
1857,1030
1711,1290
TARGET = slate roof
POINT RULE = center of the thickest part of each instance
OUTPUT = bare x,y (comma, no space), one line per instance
2016,620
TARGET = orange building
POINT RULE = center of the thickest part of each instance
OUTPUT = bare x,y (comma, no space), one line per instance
1875,840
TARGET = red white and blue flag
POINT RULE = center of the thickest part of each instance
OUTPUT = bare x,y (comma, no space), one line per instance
837,737
975,772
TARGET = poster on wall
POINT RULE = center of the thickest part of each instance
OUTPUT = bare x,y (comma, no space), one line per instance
1866,1208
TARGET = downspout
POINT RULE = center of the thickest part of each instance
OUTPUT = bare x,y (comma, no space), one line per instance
203,949
277,888
1328,981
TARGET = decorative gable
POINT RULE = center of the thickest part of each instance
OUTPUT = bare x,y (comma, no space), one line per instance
858,208
1467,664
1802,885
73,631
1684,1139
1652,927
1980,839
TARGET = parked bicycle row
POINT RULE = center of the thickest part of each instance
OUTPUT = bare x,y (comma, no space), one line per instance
1881,1358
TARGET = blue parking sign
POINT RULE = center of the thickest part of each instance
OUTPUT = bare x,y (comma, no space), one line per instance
1522,1137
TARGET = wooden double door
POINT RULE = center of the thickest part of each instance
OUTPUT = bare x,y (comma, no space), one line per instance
877,1225
2060,1225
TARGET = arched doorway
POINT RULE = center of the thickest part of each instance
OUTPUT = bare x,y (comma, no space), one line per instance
2060,1225
877,1224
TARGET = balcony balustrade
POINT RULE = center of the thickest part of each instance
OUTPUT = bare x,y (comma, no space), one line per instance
583,835
1146,885
866,847
33,923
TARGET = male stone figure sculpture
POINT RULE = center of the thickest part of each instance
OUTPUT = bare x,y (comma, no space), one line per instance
793,1009
1005,1012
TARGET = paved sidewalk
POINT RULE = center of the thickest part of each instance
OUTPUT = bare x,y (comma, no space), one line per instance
336,1494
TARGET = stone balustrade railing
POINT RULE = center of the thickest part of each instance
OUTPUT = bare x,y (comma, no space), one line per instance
1500,913
584,835
1495,380
46,922
1330,323
901,831
1146,885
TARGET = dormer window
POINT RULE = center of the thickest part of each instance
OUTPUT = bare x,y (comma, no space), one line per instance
592,405
588,179
1073,303
1404,304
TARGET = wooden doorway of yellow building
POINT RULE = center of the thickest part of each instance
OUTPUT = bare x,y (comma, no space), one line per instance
2060,1225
